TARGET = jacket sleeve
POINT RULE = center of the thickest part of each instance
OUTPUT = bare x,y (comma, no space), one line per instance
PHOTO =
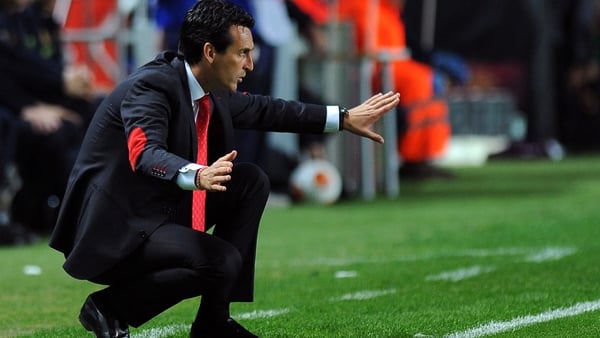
271,114
158,135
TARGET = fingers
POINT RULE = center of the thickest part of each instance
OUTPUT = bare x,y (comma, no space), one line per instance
385,103
43,119
379,97
228,157
391,102
214,176
387,100
379,104
369,112
45,126
373,98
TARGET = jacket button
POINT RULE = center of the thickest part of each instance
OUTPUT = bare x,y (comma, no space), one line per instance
143,234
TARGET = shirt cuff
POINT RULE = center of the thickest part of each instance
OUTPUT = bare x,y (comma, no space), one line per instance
186,179
332,123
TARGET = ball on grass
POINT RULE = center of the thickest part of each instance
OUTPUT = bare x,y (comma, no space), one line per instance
316,181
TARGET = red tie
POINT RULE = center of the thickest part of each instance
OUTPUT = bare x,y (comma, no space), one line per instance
202,106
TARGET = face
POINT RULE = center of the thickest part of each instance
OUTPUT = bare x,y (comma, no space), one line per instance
230,67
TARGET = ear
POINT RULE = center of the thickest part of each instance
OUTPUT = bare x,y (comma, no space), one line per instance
209,52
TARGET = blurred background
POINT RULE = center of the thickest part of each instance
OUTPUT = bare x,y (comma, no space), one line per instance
480,81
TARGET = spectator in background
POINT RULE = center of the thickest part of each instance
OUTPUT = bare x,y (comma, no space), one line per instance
424,125
45,106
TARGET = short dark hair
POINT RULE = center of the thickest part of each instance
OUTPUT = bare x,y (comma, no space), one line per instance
209,21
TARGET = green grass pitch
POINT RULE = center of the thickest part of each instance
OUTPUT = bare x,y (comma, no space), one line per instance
509,249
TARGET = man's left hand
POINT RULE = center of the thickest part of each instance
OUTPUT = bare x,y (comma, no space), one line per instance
361,118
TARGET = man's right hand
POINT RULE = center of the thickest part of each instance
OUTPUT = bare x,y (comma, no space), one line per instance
214,176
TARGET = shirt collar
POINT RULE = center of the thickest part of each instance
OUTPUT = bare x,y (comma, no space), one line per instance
196,91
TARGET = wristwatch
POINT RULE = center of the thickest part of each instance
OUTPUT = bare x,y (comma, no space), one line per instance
343,114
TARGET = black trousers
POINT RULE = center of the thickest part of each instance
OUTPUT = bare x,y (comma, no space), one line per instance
177,262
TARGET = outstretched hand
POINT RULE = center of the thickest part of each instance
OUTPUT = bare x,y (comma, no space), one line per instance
212,177
361,118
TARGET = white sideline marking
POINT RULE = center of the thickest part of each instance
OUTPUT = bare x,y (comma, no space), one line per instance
461,274
345,274
165,331
170,330
497,327
549,254
261,314
489,252
362,295
32,270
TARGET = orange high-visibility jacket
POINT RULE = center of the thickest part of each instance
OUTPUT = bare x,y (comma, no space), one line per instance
377,26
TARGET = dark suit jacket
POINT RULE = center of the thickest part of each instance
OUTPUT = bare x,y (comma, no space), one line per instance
112,205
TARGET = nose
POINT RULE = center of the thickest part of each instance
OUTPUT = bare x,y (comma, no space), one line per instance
249,63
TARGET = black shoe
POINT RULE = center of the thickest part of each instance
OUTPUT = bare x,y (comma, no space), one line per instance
101,323
229,329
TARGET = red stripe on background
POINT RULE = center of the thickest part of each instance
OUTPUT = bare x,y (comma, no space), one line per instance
136,143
